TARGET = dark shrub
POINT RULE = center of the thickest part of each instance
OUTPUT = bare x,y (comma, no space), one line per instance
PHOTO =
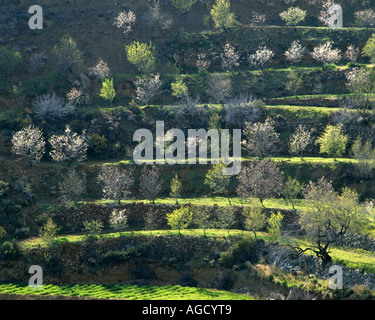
247,249
223,281
144,272
22,233
118,256
187,280
10,249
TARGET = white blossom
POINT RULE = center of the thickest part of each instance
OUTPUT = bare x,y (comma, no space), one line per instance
115,182
365,18
229,58
260,57
296,52
29,143
324,53
69,146
50,106
101,70
352,53
75,96
202,62
299,140
125,20
147,87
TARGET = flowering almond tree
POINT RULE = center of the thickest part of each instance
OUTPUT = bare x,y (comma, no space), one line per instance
260,179
72,186
261,138
147,87
69,146
325,54
295,53
51,107
299,140
260,57
101,70
125,20
149,182
229,58
115,182
29,143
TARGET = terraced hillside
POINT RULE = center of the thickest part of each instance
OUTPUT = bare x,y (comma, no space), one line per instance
74,200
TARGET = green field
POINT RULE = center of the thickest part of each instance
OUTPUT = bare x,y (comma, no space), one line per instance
126,292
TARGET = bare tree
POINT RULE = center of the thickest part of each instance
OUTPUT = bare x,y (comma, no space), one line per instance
360,82
36,63
150,219
364,153
242,109
29,143
69,146
150,182
219,87
191,113
115,182
261,138
157,17
72,185
347,112
51,107
260,179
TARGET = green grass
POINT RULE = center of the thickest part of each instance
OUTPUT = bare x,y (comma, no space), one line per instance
320,114
292,160
127,292
38,242
300,204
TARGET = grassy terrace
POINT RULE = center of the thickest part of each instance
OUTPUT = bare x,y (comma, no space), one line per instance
352,258
291,160
300,204
126,292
